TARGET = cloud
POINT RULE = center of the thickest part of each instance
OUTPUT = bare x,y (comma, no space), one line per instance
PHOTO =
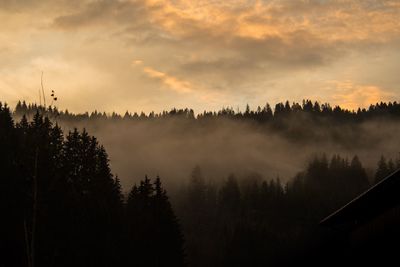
246,43
183,87
245,35
137,62
101,13
353,96
208,48
171,82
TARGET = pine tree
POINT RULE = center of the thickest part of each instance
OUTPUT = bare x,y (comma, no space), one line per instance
391,166
169,250
382,171
197,190
155,238
230,196
358,179
12,239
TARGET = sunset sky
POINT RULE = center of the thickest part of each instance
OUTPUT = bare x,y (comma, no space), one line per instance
204,54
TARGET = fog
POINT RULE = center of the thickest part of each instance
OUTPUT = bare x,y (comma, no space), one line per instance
172,147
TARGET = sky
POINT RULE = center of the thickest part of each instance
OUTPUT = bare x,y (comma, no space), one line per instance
144,55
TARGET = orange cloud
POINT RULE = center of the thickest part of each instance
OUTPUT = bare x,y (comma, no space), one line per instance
345,20
171,82
352,96
137,62
183,86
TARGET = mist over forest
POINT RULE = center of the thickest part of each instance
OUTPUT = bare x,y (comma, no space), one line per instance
219,188
270,142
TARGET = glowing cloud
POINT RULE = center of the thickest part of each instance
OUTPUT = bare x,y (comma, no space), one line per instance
353,96
171,82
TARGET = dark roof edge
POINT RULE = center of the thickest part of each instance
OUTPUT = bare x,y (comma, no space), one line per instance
329,217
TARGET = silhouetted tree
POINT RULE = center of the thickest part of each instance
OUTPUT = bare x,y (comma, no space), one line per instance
153,229
230,196
383,170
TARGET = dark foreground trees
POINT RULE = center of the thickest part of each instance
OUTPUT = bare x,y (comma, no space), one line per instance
248,221
154,237
61,206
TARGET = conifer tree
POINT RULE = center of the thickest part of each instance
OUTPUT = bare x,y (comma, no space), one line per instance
382,170
155,238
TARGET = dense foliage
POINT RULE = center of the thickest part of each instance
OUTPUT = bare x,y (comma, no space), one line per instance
61,206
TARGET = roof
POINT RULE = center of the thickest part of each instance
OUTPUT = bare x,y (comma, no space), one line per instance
373,202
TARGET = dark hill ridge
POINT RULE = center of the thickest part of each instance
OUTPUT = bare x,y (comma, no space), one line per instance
270,140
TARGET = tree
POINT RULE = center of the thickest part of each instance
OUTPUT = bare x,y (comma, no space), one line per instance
12,239
197,190
382,171
169,247
357,178
155,238
229,197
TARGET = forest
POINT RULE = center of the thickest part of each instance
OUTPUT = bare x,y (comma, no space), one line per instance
274,140
62,205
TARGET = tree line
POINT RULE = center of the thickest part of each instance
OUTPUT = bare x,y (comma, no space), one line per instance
267,113
306,122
